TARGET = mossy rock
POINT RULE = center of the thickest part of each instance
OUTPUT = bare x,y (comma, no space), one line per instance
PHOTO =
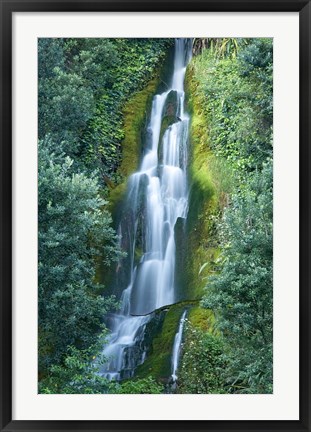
158,362
170,108
136,115
166,72
197,240
203,319
169,116
116,196
138,254
181,242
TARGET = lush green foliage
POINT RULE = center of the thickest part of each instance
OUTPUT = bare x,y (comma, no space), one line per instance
203,365
77,374
238,103
233,92
87,87
140,386
83,87
74,229
241,294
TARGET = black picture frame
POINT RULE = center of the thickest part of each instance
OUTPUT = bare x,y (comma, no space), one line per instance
7,9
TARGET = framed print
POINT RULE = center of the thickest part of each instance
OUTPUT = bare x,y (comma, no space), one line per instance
155,215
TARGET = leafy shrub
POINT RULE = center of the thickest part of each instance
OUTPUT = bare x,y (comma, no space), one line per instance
202,367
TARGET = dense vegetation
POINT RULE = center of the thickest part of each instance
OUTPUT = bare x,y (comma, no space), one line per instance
92,101
234,88
83,87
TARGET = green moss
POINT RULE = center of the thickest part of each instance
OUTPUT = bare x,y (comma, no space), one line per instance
116,196
138,254
166,70
169,116
203,319
136,113
158,362
196,242
165,325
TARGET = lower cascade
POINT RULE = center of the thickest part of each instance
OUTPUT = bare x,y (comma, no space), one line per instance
157,196
177,347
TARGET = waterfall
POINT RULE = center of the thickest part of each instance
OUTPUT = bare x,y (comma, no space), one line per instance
157,196
177,347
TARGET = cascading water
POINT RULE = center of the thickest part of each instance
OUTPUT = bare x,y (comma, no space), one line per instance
177,346
157,196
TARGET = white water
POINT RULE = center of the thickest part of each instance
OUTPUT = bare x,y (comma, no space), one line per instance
163,186
177,347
